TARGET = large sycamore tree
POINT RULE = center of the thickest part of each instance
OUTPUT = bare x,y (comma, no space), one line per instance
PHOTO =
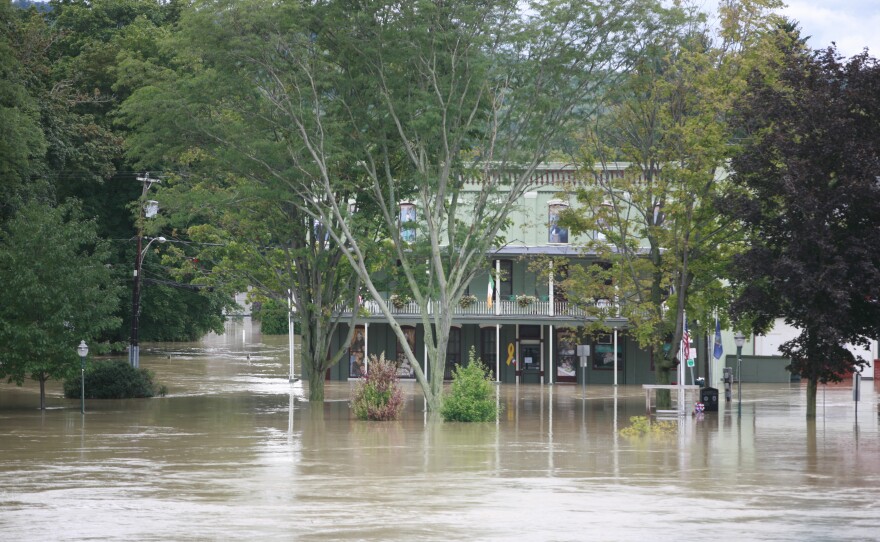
383,102
654,162
810,198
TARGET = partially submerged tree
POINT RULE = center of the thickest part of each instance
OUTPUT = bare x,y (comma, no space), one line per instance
57,291
425,97
653,163
808,171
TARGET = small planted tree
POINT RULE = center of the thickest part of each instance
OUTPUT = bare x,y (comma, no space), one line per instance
378,396
471,397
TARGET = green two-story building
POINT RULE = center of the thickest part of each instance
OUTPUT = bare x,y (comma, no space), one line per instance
522,329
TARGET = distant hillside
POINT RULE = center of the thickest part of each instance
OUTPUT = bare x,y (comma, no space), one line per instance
43,7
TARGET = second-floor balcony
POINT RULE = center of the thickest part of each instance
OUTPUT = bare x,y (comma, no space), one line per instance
516,307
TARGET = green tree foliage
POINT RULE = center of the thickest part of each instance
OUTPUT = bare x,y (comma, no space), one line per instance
378,396
274,317
58,140
57,291
471,397
179,314
660,148
808,174
112,380
22,143
98,52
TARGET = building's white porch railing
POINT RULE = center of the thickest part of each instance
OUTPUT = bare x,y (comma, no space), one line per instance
513,307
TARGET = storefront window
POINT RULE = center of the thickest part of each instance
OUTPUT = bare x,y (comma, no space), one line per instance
453,351
356,353
404,367
566,357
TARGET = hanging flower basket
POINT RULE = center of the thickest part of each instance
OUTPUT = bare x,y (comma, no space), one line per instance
398,301
467,301
525,300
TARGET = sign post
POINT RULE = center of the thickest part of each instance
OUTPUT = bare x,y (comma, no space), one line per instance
583,352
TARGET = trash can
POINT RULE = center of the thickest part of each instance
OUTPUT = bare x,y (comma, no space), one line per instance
709,398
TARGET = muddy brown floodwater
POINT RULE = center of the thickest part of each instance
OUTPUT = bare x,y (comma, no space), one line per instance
235,452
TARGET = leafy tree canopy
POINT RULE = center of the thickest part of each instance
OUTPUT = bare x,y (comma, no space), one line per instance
808,175
57,290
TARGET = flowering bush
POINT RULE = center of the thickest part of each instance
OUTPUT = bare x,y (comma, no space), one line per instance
378,396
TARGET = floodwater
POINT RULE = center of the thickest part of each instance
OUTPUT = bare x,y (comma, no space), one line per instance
235,452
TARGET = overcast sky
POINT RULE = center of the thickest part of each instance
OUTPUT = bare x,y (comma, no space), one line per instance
852,24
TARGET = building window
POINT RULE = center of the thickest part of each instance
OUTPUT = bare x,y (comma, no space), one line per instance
557,233
408,222
404,367
356,353
453,351
603,353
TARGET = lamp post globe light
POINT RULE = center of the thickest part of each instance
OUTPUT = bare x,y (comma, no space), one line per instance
134,348
739,339
83,351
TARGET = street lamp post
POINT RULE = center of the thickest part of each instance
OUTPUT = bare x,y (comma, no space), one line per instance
83,351
134,348
146,210
739,339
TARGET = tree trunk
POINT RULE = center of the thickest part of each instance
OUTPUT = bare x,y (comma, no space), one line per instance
664,397
661,376
316,385
812,386
42,393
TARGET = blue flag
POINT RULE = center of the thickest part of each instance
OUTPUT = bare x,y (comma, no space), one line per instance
719,350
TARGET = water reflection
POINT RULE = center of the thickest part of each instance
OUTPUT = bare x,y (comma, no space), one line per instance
237,452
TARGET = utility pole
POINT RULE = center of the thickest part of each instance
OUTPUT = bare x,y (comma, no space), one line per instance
134,349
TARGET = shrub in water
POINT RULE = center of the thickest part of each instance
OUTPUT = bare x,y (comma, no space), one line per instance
641,426
112,380
471,397
378,396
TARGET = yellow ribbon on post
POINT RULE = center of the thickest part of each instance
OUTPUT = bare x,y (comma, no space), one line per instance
510,351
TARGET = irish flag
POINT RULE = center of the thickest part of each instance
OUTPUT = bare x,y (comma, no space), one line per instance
490,291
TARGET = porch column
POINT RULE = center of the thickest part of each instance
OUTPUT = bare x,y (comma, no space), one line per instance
552,337
366,347
552,301
615,357
542,355
498,353
517,363
497,287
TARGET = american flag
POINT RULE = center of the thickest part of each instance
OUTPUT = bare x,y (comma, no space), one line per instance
686,343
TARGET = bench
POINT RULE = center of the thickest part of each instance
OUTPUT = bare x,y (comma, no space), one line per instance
651,388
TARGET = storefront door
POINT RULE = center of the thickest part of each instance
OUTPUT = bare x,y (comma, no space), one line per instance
530,356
